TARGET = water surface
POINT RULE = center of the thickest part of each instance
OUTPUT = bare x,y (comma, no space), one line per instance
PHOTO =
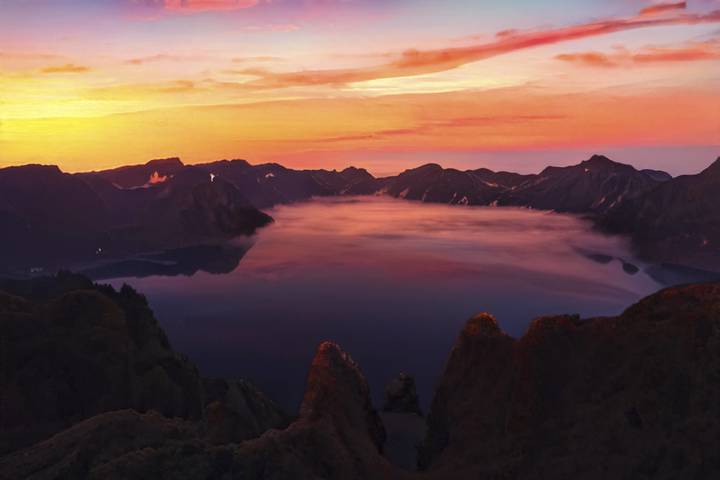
392,282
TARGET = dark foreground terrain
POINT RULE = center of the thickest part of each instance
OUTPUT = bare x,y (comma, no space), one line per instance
90,388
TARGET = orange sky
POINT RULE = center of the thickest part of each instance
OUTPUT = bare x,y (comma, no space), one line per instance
323,84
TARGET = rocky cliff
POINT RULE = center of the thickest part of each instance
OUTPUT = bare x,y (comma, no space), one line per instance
633,396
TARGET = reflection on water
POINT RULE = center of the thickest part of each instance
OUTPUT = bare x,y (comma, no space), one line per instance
392,282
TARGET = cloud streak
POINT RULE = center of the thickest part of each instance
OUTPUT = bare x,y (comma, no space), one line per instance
207,5
648,56
661,8
418,62
66,68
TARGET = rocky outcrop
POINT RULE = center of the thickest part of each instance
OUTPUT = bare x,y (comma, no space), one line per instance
71,350
235,411
401,395
337,435
635,396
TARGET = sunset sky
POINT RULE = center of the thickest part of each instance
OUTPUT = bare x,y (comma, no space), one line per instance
383,84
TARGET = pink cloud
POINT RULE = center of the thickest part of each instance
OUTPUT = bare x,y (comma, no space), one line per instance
417,62
67,68
652,55
207,5
660,8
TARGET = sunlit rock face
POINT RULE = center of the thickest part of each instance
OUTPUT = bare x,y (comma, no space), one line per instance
636,394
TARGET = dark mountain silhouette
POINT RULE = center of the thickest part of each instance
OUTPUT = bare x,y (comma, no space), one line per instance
633,396
50,218
675,222
46,214
594,186
138,175
164,204
434,184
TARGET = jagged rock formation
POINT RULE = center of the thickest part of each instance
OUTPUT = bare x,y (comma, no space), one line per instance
635,396
81,351
337,435
71,349
235,411
676,222
401,395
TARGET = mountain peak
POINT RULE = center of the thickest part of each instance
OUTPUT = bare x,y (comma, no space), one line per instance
713,169
599,160
336,388
165,162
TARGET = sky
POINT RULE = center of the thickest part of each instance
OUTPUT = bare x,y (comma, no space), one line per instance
381,84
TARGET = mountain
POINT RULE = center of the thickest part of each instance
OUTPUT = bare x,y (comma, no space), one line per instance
594,186
271,184
139,175
434,184
678,221
263,185
632,396
50,218
46,214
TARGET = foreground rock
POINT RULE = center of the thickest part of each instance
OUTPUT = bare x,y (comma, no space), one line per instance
401,395
337,435
71,349
635,396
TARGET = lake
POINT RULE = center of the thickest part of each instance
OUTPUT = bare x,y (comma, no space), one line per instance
392,282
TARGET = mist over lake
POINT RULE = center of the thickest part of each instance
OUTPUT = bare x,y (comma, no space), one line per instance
392,281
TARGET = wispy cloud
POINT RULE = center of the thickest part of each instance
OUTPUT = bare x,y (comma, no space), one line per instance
417,62
261,58
66,68
162,57
206,5
660,8
438,126
651,55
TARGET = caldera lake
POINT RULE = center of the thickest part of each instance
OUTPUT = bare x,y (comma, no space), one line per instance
392,282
